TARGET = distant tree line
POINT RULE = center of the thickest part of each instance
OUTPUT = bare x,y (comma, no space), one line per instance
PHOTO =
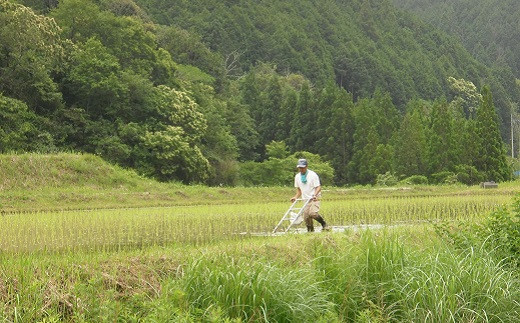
444,141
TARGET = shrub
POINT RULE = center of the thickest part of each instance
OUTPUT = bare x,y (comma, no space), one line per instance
416,180
498,233
382,279
223,172
444,177
468,175
501,230
386,179
280,172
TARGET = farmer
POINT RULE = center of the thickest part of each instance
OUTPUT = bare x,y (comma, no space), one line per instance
308,186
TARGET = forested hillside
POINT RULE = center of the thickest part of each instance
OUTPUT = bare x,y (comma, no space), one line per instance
362,44
489,29
221,92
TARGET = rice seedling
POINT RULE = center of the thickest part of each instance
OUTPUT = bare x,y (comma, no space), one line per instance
121,229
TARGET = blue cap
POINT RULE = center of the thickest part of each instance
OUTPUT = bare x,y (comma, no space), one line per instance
302,163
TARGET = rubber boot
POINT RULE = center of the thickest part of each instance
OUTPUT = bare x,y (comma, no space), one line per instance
310,228
322,222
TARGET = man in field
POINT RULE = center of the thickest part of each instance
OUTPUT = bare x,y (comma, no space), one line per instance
308,186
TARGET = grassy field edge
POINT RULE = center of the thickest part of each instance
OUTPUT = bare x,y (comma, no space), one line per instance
369,276
68,181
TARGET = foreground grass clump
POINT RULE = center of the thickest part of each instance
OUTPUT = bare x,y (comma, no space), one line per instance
255,291
498,232
389,275
383,278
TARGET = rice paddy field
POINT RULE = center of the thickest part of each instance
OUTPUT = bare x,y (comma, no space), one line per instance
117,229
130,251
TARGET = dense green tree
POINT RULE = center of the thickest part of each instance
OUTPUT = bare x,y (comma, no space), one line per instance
411,150
18,132
287,113
272,100
365,142
363,45
126,38
363,167
303,125
466,95
492,155
40,6
466,144
487,28
351,72
31,53
381,162
470,143
78,19
123,8
178,109
171,157
251,94
376,121
187,48
443,154
386,118
93,81
219,145
335,130
136,102
169,145
277,149
261,93
242,126
173,146
324,110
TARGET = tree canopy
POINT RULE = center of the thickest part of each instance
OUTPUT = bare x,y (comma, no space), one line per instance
200,91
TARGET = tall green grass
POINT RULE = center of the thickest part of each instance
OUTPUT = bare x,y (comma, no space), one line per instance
36,171
384,279
257,291
459,287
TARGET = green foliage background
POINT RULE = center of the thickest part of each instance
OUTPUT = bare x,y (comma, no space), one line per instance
195,91
489,29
